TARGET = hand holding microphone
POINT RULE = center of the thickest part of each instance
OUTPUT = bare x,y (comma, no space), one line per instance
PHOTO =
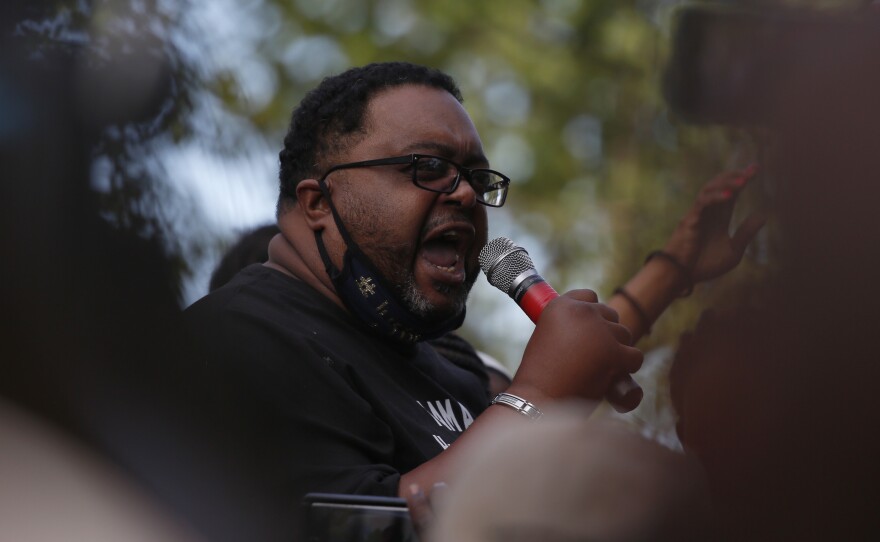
580,332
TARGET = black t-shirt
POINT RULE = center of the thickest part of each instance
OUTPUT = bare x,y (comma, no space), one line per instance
337,408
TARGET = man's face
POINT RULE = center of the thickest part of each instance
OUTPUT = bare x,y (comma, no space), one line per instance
426,244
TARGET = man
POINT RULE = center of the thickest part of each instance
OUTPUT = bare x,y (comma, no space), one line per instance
383,209
369,263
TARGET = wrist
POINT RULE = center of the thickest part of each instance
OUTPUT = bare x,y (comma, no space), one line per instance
531,394
637,308
684,281
518,404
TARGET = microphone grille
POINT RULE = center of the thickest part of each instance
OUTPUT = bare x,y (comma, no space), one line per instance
502,261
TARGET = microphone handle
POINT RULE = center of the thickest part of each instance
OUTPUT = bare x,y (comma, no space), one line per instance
532,295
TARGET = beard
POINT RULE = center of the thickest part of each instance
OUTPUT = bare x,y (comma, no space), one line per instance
417,302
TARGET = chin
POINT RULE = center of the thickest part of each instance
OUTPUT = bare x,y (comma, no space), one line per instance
436,300
440,303
454,300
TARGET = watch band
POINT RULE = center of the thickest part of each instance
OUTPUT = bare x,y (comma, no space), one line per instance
519,404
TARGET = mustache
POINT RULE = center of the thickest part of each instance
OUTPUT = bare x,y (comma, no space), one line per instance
458,217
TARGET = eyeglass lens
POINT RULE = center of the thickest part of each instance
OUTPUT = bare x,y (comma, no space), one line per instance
439,175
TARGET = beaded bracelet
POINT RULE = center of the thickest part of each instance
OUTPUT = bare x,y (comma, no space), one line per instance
689,282
646,322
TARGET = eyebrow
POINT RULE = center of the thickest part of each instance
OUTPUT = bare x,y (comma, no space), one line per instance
445,151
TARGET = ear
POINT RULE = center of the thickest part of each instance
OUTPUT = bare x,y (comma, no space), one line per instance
313,204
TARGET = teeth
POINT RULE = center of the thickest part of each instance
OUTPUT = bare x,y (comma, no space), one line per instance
451,268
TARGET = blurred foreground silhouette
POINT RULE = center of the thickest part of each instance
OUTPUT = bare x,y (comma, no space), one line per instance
777,396
96,395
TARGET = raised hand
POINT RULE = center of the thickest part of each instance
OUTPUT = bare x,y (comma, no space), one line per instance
701,242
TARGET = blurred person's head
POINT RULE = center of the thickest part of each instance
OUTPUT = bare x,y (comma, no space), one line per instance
568,477
251,247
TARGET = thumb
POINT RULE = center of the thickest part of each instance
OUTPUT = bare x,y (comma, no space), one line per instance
420,510
747,231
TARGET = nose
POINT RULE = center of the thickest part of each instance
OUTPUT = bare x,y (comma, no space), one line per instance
464,194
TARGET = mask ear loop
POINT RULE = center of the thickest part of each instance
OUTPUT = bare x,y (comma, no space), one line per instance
332,271
336,218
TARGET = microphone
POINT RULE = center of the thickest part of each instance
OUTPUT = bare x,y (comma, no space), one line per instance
509,268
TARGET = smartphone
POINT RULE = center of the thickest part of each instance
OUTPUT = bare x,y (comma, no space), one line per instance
356,518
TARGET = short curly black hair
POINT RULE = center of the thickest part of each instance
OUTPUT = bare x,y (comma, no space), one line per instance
334,111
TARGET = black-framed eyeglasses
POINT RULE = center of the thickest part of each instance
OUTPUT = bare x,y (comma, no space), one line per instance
438,174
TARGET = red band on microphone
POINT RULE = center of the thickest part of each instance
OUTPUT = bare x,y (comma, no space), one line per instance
535,298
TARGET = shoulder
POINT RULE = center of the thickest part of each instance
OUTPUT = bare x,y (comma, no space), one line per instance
260,293
262,315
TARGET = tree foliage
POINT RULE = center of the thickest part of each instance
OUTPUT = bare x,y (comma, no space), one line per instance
566,95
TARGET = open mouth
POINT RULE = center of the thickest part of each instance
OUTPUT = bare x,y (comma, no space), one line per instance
444,254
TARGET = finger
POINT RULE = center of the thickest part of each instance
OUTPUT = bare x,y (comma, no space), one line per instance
624,394
621,333
726,179
717,193
729,183
631,359
420,510
716,196
739,177
582,295
747,231
751,170
608,313
742,177
438,493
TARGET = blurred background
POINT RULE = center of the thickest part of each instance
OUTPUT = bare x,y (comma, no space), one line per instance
566,94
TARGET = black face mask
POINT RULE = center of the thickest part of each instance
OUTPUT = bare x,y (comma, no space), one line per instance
368,296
